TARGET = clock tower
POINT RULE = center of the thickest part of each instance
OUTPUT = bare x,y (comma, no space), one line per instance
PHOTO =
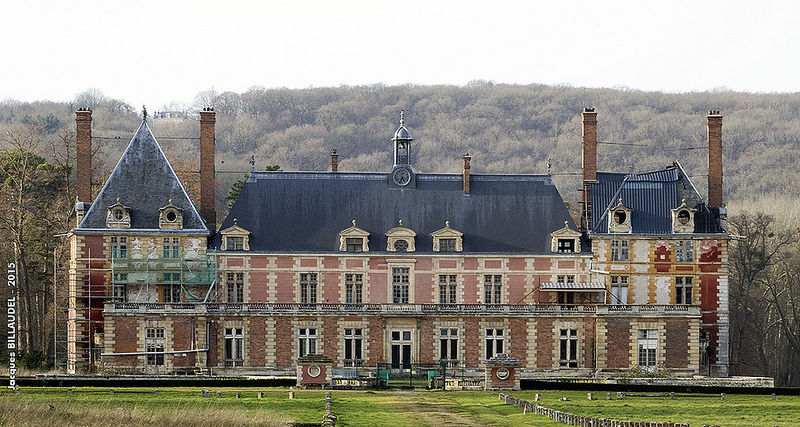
402,176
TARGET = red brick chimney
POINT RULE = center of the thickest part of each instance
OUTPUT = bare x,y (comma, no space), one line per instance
589,163
714,158
83,163
207,167
334,161
465,172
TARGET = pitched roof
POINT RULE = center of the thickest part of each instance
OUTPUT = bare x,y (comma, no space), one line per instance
651,196
144,181
305,211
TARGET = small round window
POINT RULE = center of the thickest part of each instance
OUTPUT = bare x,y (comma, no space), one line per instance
401,245
314,371
502,373
620,216
118,214
171,216
683,217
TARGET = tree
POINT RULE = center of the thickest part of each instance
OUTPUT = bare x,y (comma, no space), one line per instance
237,186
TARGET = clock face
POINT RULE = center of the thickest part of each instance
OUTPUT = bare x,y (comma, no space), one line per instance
401,177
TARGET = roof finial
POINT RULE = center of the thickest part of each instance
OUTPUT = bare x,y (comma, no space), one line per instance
566,224
401,222
144,113
402,119
235,222
447,224
354,223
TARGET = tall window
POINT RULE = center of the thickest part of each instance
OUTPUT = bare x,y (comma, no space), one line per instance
172,247
354,244
447,245
308,288
354,285
235,243
448,345
648,343
234,347
447,288
154,341
172,287
619,289
494,342
566,245
493,288
235,285
619,250
352,347
400,285
566,298
683,290
119,290
568,355
684,251
308,341
119,247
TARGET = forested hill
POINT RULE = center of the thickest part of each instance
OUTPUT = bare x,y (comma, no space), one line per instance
505,128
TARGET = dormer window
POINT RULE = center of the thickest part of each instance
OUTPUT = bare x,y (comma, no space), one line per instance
619,219
447,239
400,239
565,240
118,216
683,219
235,238
353,239
170,217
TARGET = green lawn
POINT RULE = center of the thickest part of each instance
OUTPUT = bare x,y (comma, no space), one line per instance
39,406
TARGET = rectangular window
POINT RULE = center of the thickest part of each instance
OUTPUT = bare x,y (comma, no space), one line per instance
235,287
648,343
493,288
234,347
566,298
566,245
119,290
354,244
172,247
308,288
684,251
683,290
235,243
619,290
119,247
494,342
447,245
154,341
308,341
619,250
354,286
564,278
172,287
448,346
568,354
447,288
352,347
400,285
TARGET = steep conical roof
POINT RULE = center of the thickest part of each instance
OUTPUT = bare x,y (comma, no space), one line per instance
144,181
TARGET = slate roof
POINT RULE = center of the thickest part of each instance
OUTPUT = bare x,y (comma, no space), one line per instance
305,211
651,196
144,181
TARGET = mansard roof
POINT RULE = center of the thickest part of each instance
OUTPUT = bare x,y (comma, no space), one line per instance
305,211
144,181
651,196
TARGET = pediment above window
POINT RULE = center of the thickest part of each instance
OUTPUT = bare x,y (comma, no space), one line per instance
619,218
683,218
565,240
118,216
401,239
235,238
447,239
353,239
170,217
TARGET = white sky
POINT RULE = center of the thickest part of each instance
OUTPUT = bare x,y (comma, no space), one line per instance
154,52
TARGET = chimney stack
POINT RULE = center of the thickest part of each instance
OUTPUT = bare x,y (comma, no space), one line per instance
714,158
83,163
465,172
589,163
334,161
207,167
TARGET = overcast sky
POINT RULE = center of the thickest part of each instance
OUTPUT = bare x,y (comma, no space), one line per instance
155,52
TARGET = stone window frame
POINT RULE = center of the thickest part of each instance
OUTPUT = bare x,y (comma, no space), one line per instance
449,340
118,216
491,340
353,233
401,233
647,347
684,292
233,336
155,341
307,339
234,231
493,289
619,281
354,340
118,247
448,288
171,247
619,218
445,234
170,217
353,292
620,250
308,287
684,250
683,219
171,287
569,343
400,263
565,234
234,287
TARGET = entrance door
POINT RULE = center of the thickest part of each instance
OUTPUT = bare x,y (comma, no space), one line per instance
401,350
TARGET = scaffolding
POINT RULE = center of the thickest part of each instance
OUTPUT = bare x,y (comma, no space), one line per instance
83,285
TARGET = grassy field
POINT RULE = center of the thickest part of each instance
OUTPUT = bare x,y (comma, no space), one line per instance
185,406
